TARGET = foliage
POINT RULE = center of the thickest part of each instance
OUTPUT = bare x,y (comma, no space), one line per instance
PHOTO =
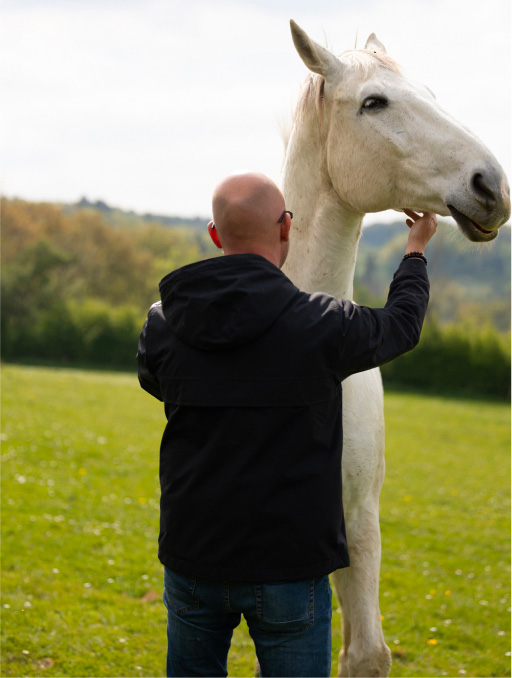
75,288
455,359
81,592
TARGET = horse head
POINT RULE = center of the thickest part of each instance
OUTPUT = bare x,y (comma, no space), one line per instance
388,144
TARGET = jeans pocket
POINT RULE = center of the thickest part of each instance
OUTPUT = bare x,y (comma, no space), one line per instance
285,607
179,592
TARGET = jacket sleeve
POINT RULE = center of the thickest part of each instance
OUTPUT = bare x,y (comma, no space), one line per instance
373,337
147,379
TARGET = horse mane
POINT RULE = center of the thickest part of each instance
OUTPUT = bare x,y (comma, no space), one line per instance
365,65
312,91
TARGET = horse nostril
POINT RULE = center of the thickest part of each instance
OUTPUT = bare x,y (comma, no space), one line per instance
483,191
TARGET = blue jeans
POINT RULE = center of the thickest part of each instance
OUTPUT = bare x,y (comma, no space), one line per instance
289,622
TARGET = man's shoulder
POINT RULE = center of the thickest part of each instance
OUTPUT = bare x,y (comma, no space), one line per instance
155,313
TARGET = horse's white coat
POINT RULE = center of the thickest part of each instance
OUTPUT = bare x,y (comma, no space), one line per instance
365,139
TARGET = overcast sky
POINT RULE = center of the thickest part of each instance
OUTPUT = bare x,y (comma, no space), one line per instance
147,104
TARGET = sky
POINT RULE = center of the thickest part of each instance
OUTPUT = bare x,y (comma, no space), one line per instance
148,104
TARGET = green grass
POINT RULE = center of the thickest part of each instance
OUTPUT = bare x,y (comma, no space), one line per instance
81,582
445,520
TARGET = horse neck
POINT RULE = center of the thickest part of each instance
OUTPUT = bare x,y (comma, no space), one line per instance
325,232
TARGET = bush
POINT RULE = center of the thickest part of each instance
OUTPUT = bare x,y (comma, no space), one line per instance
109,335
89,333
454,360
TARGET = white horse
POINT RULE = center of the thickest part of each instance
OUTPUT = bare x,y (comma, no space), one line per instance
365,139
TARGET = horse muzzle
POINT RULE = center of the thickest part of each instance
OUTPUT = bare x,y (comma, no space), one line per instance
484,206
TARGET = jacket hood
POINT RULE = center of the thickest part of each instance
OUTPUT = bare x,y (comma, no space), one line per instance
225,302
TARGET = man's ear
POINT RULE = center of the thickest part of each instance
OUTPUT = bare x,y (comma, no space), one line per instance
285,228
214,235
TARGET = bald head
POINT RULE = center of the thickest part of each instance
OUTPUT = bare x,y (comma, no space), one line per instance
246,209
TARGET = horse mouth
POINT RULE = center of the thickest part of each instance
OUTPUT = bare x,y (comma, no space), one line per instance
470,228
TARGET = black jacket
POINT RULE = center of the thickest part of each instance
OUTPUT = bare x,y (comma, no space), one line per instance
250,370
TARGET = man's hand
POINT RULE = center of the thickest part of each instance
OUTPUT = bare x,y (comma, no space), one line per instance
422,230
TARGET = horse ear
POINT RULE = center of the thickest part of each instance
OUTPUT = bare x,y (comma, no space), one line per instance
375,45
317,58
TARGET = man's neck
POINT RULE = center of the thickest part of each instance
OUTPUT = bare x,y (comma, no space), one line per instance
261,251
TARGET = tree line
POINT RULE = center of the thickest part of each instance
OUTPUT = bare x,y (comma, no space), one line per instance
76,290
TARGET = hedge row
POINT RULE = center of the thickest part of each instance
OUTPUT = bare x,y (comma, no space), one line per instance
455,360
89,333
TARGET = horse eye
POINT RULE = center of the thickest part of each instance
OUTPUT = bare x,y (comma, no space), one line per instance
374,104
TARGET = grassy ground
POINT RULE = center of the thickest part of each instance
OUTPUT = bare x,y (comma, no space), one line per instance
81,583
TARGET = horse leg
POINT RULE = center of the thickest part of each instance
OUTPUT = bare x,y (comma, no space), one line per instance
345,626
364,651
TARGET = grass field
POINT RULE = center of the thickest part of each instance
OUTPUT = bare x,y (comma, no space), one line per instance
81,584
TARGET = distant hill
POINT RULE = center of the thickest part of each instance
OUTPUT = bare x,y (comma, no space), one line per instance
122,218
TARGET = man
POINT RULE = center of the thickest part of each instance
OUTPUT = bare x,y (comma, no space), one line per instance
250,369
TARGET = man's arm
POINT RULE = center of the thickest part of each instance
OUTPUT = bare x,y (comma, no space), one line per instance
146,378
373,337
